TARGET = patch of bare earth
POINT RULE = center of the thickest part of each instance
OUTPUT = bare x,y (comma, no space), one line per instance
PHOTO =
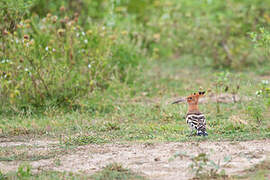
156,161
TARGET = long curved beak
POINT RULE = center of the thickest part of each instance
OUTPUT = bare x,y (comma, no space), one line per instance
179,100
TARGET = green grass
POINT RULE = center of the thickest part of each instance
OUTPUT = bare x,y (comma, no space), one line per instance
142,111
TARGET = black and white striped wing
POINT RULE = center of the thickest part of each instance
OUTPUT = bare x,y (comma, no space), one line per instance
196,121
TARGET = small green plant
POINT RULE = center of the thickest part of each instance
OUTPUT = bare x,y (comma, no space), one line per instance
109,126
257,109
2,176
178,154
24,171
222,79
261,39
264,90
57,162
204,168
226,83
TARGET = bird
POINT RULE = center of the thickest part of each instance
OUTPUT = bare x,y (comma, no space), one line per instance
194,118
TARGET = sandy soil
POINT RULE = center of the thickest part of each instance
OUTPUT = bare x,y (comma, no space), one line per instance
155,161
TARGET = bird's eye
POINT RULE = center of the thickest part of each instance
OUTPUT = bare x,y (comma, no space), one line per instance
189,98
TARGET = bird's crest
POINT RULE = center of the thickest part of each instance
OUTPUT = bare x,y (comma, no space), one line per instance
193,98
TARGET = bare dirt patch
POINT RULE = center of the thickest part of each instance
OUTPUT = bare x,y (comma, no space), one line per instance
27,143
154,160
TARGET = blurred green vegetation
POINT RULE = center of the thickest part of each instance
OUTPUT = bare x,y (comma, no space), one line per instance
55,51
93,56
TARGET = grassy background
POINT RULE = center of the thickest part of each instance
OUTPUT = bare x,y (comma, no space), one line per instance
142,111
83,69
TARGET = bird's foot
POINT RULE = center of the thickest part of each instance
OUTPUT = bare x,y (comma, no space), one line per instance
202,133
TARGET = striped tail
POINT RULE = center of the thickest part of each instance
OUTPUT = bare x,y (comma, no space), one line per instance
197,121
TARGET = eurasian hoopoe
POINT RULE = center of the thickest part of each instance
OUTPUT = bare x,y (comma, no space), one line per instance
194,118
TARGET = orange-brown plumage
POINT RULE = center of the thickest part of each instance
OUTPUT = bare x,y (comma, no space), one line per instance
193,101
195,119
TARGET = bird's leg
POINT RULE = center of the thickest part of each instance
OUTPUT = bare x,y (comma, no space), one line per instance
202,133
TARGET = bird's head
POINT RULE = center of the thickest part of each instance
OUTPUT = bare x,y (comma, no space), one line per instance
192,99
